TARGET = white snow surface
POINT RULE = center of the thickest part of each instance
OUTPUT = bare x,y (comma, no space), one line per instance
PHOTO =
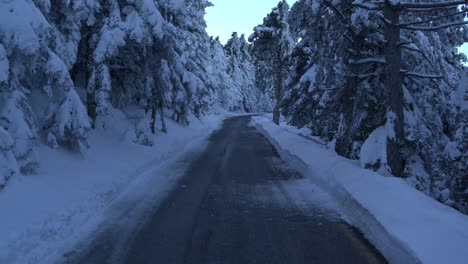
48,214
374,150
403,223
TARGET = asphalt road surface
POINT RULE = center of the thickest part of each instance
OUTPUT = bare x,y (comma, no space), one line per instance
234,206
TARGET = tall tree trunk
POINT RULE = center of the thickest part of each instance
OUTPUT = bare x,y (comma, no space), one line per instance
150,86
344,139
91,104
278,91
346,101
394,88
163,122
153,119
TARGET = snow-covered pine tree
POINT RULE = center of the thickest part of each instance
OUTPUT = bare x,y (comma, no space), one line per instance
273,43
197,54
237,52
356,51
177,95
315,71
65,120
21,44
227,93
432,68
197,76
109,38
17,118
250,93
424,37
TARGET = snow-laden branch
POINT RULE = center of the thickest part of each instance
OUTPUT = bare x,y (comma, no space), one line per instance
430,5
434,28
410,7
421,75
411,49
380,60
423,10
405,43
432,19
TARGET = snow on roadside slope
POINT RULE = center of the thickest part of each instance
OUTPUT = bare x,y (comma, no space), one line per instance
44,215
403,223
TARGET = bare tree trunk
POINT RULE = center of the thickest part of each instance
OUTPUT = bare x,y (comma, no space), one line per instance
278,92
91,104
163,122
150,87
153,105
153,119
394,88
344,140
346,101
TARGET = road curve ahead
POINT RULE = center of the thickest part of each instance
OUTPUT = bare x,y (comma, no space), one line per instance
235,204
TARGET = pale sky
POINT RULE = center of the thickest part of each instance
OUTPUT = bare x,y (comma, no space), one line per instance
464,49
239,16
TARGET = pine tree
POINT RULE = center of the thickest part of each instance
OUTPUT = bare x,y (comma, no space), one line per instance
17,118
235,70
227,93
340,72
274,36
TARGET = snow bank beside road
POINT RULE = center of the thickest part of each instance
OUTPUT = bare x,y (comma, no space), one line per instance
403,223
44,215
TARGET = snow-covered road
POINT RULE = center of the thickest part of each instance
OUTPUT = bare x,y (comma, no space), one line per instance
237,203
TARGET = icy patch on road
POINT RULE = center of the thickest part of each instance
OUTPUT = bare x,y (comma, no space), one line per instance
294,190
311,199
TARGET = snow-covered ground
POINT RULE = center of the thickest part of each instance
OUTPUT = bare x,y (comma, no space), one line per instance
403,223
45,215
